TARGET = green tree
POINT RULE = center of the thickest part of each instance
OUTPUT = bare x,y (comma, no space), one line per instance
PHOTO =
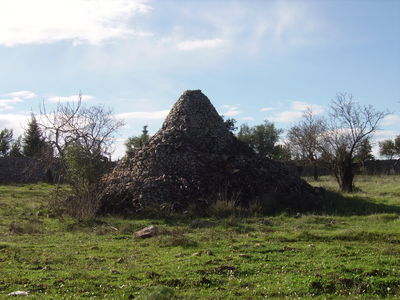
262,139
230,124
136,142
16,148
33,141
6,136
390,148
364,153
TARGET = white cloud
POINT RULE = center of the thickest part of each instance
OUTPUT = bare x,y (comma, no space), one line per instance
16,122
81,21
297,110
22,94
248,119
6,103
15,97
286,116
391,120
201,44
303,106
231,110
71,98
154,115
381,135
299,105
266,109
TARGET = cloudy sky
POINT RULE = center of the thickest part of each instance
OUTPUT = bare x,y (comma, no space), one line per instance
255,60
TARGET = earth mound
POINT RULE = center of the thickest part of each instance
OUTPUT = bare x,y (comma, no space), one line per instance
195,159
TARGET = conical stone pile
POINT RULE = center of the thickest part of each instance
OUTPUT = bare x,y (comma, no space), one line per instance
195,159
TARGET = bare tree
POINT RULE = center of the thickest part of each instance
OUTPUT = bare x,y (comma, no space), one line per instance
82,138
304,139
350,124
93,128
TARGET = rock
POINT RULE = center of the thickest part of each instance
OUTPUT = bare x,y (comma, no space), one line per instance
18,293
208,252
196,254
194,160
147,232
244,255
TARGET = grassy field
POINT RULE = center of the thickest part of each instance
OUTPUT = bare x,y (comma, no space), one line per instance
351,251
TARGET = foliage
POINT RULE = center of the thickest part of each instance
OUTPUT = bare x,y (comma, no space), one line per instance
6,136
345,254
136,142
262,138
84,168
364,152
390,148
16,148
33,142
350,125
82,138
230,124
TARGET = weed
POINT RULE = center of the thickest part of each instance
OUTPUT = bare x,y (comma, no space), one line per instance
156,293
347,249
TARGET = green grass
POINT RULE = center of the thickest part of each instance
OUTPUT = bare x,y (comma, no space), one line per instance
349,252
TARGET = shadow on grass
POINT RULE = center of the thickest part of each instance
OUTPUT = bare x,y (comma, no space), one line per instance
334,203
323,202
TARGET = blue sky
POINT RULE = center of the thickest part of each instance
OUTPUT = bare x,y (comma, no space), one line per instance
255,60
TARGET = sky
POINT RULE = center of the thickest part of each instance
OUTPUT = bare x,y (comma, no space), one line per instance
255,60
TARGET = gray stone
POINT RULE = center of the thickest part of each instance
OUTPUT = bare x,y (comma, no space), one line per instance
195,159
147,232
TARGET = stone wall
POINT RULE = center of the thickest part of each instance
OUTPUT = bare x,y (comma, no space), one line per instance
26,170
371,167
30,170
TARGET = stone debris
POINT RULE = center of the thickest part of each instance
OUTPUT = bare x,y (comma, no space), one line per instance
208,252
195,159
147,232
18,293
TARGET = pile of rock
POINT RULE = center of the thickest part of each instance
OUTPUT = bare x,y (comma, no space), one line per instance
195,159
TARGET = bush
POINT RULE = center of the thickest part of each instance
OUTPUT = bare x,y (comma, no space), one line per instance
79,203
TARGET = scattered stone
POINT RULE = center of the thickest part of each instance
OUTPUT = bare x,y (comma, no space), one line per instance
115,272
120,260
18,293
208,252
196,254
113,228
195,159
147,232
179,255
244,255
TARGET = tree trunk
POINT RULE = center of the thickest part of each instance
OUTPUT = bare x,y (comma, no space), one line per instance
346,176
315,169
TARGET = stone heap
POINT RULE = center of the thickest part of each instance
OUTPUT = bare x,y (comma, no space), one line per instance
195,159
